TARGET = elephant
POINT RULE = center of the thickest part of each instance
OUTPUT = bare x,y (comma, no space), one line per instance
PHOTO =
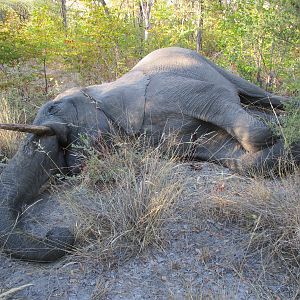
170,90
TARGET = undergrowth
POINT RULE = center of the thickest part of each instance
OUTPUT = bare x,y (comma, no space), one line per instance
291,122
127,193
122,199
22,93
9,140
268,209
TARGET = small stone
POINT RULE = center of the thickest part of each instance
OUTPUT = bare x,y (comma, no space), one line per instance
93,282
73,281
159,259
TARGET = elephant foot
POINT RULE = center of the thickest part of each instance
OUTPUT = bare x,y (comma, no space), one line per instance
295,150
58,242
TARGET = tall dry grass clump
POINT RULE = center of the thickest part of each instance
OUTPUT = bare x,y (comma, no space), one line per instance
9,140
124,196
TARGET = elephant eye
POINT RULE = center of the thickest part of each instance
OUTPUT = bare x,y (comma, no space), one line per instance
54,108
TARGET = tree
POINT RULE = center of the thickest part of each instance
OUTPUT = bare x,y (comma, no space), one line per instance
64,13
145,11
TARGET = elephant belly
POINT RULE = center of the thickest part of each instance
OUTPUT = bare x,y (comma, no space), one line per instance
164,125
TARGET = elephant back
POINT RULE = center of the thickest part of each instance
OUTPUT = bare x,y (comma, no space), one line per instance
175,61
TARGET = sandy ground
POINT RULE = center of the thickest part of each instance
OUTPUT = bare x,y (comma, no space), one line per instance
200,259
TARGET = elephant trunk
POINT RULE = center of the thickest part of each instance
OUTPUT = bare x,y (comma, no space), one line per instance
37,159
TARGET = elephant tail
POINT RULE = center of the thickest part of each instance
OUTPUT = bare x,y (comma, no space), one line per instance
19,244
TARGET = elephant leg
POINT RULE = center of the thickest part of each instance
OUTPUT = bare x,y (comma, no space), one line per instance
221,107
252,133
221,148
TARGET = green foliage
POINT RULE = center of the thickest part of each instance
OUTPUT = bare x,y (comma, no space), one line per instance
102,43
291,122
257,39
44,34
168,29
10,39
36,39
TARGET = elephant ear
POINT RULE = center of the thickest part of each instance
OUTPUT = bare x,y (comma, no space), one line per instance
123,100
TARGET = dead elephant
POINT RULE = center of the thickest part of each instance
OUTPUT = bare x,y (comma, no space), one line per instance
170,90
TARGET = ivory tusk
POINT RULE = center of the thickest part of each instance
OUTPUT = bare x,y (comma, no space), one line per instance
36,129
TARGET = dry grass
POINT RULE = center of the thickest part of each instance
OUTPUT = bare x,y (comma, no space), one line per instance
22,92
268,208
8,294
9,140
122,199
127,193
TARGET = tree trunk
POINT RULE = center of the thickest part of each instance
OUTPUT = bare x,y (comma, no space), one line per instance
145,8
64,14
103,3
199,26
199,35
45,75
271,76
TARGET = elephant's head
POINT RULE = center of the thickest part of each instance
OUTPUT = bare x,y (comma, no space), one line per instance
42,154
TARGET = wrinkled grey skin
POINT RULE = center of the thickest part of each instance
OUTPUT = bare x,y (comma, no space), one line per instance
170,90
